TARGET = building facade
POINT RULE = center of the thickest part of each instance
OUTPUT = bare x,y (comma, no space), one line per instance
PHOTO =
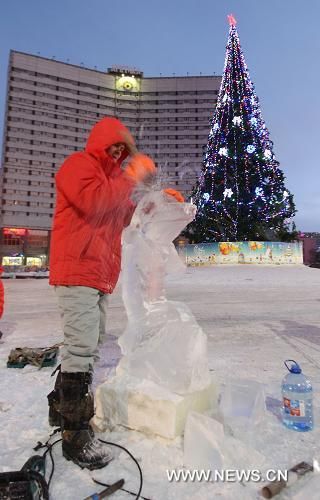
51,107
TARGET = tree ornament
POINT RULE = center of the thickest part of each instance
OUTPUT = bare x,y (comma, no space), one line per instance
237,120
206,196
254,121
227,193
267,154
223,152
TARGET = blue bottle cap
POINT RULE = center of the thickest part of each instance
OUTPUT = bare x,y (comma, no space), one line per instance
294,368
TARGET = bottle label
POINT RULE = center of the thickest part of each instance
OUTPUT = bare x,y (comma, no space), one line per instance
294,407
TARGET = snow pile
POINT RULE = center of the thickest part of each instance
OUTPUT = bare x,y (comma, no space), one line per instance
254,318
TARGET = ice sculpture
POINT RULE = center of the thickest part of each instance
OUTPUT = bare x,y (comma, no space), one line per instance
164,349
162,341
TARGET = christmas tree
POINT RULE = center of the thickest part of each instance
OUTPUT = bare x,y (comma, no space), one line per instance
240,194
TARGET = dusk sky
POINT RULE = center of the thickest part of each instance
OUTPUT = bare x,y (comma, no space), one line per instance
280,40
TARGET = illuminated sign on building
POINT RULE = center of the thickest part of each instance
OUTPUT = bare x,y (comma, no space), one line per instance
127,83
12,261
16,231
126,79
125,70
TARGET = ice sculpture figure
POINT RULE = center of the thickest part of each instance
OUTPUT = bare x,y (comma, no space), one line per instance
162,342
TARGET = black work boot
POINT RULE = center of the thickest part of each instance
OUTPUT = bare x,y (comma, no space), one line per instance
77,408
54,400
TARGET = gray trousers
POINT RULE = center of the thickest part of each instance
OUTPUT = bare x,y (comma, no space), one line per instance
83,316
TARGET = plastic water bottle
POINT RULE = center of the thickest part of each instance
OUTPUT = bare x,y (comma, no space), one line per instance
297,399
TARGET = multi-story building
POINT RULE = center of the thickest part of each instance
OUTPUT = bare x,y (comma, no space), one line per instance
51,107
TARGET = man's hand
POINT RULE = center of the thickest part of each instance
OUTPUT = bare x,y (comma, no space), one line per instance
140,168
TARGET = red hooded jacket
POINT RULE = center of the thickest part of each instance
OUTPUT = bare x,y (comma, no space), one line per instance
1,294
92,208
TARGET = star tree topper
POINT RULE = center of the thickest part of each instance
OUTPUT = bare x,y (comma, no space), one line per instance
232,20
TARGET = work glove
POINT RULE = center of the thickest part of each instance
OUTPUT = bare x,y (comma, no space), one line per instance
176,194
140,167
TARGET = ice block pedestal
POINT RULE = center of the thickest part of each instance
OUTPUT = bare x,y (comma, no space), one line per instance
144,406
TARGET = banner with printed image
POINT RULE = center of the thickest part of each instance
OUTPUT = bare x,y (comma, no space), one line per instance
242,252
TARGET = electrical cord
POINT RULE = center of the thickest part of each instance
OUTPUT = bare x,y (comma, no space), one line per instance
138,495
48,450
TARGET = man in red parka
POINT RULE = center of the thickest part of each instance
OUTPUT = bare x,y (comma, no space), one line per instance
1,295
92,208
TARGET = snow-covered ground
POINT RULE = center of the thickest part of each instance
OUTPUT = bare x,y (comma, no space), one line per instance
255,318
